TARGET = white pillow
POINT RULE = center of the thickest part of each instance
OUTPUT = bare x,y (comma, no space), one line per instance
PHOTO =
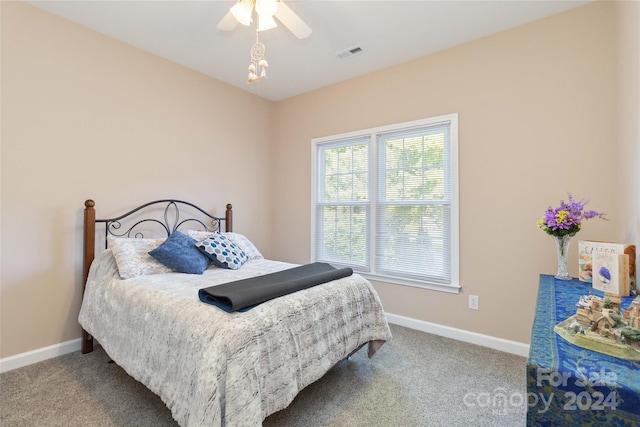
245,244
132,256
238,239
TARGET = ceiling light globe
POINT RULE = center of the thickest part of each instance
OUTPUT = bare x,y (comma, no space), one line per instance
266,8
242,11
266,23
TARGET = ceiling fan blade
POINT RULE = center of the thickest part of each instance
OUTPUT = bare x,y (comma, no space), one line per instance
292,21
227,23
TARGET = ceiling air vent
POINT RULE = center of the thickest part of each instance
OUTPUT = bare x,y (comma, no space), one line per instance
348,53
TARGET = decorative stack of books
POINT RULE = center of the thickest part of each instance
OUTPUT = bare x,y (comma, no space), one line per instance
610,267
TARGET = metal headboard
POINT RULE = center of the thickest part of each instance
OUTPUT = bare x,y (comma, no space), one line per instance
170,220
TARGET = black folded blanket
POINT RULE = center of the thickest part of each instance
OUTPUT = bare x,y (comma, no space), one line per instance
243,295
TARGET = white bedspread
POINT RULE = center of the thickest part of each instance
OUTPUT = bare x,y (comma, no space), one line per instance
214,368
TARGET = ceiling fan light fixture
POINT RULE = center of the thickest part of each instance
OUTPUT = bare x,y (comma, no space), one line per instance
242,11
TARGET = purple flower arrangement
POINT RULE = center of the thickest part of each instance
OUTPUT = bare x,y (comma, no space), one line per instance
567,218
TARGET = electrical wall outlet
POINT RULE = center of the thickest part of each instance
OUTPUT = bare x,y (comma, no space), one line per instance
473,302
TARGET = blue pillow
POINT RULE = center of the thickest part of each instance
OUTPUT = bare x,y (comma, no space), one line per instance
223,252
179,253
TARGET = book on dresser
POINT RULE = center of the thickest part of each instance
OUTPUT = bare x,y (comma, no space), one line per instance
611,273
587,249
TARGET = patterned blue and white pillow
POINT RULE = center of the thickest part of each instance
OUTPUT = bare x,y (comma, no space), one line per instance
223,252
240,240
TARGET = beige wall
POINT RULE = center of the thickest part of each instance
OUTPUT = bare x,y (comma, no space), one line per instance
628,90
537,118
85,116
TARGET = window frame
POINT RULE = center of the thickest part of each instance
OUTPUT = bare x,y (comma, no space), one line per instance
453,286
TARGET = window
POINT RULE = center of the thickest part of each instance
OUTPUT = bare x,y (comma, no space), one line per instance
385,202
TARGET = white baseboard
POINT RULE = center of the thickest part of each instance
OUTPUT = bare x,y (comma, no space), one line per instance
513,347
38,355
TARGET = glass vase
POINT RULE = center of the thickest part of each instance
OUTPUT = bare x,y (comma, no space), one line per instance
562,248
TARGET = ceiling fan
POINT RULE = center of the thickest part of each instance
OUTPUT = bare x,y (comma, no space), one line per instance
266,10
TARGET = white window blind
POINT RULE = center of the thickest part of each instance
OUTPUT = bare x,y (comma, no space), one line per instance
342,211
385,202
413,206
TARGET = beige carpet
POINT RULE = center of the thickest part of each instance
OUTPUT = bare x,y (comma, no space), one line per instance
417,379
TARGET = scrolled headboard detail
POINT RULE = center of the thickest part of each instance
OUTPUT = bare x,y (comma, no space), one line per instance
170,220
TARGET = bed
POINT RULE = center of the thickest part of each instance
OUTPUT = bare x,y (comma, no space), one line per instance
210,366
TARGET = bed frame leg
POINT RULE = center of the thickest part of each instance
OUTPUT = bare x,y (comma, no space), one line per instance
87,342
